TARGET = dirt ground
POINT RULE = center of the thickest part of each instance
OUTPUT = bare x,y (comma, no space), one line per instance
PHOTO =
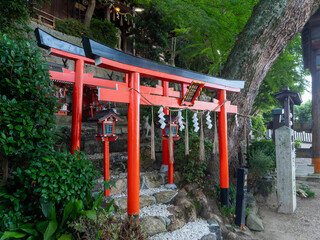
304,224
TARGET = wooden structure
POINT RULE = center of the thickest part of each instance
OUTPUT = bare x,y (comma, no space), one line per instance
311,57
288,99
171,122
105,133
131,91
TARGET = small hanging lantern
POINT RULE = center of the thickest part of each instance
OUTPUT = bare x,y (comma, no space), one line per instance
174,124
105,123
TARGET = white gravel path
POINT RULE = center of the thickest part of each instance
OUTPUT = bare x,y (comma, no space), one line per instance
159,210
148,192
191,231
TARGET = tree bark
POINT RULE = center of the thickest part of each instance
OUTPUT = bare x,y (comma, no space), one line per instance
89,13
272,25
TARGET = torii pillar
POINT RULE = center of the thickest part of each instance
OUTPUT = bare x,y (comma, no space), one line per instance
133,144
77,105
223,150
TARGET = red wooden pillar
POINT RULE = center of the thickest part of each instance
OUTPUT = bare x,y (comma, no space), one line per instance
77,105
223,149
106,164
165,141
133,144
170,165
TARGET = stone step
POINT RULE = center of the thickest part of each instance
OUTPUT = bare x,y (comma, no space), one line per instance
148,180
147,197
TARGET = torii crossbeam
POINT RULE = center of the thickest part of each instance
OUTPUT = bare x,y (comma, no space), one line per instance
129,92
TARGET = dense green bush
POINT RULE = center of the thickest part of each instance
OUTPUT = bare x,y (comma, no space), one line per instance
57,180
258,126
192,169
15,11
261,157
70,26
99,30
103,31
27,102
55,225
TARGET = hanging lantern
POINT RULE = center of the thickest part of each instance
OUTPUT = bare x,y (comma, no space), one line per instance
105,123
195,122
173,123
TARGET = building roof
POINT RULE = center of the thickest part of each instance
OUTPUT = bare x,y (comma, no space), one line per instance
94,50
103,114
286,92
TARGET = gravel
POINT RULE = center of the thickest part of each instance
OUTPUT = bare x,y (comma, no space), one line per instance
159,210
148,192
191,231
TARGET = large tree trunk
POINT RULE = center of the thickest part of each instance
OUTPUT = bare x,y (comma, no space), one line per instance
89,13
272,25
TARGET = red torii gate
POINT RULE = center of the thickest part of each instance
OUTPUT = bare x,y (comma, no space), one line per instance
128,92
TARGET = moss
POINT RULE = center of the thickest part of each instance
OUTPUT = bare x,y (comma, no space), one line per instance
197,205
102,31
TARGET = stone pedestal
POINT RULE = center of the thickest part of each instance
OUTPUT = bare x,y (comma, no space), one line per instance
286,181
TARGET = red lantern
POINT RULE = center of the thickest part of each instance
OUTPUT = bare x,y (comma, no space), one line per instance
174,126
105,125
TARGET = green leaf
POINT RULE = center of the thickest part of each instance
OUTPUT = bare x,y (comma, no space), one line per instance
110,208
52,227
98,201
66,236
42,226
47,208
91,214
8,234
67,211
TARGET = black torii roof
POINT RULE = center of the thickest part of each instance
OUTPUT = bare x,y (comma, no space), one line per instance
93,49
103,114
286,92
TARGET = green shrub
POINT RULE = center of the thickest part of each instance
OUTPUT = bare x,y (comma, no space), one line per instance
232,194
259,163
103,31
109,226
99,30
311,194
70,26
56,226
14,12
258,125
27,102
58,180
191,168
297,143
267,147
